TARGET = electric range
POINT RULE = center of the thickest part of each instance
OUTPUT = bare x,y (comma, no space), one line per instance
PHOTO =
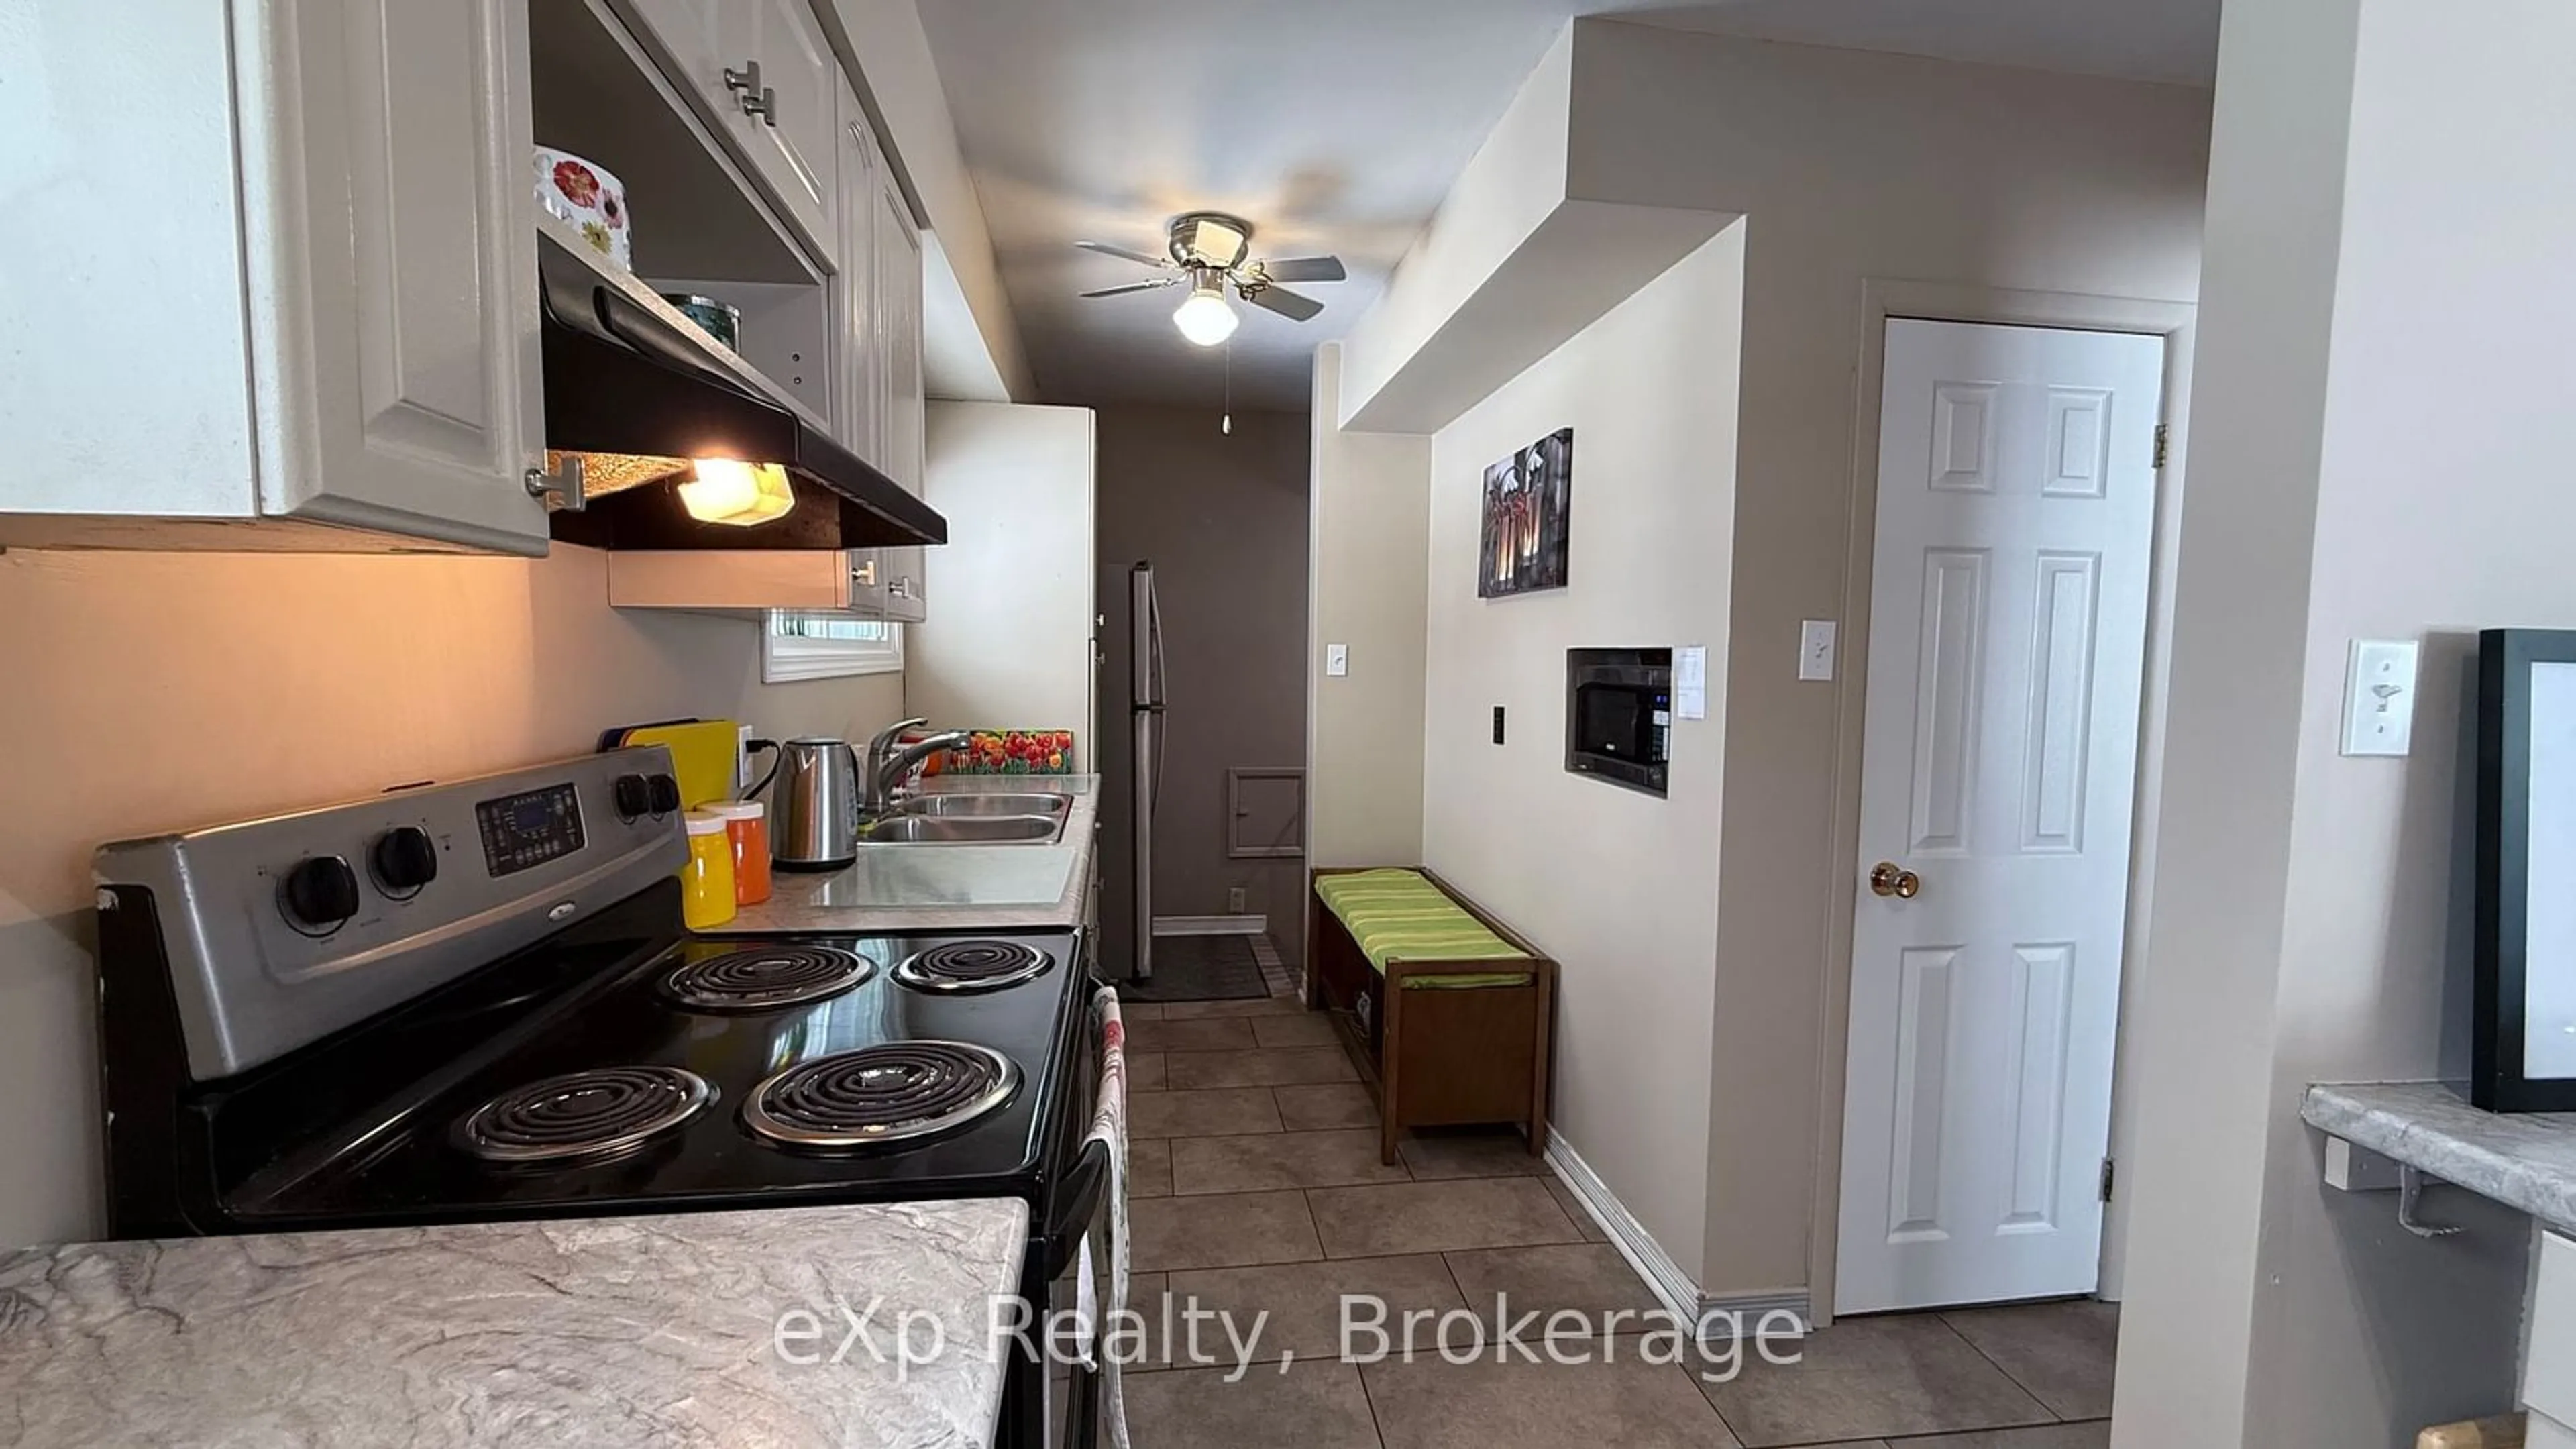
477,1001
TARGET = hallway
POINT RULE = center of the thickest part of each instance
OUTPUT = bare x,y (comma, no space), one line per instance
1258,1189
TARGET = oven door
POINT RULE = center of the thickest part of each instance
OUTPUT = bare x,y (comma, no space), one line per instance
1079,1245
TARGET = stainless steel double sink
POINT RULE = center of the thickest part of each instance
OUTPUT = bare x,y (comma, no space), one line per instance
971,819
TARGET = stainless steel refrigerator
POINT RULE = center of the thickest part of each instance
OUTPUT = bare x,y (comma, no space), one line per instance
1145,708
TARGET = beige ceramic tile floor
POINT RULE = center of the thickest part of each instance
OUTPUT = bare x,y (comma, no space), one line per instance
1257,1187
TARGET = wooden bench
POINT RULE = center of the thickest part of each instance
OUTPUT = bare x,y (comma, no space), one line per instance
1437,1055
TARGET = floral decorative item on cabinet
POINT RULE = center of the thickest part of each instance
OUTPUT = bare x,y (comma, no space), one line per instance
590,197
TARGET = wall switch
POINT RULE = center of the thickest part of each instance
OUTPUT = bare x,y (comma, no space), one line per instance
1498,724
1337,660
1816,649
2379,697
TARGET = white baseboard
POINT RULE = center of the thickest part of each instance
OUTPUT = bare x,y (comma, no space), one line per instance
1211,925
1670,1284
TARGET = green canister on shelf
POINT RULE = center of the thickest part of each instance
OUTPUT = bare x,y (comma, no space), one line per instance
722,321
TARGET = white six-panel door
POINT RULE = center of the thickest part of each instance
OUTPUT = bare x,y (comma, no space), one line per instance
2016,507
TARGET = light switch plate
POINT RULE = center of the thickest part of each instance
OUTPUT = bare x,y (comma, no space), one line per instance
1337,660
1816,649
2379,697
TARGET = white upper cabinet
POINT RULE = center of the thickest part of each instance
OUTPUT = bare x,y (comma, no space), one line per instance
896,252
854,373
800,90
284,273
764,71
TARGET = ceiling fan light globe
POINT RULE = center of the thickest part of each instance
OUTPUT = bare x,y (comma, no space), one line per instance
1205,318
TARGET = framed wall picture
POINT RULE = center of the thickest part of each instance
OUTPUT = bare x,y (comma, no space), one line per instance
1528,500
2525,1016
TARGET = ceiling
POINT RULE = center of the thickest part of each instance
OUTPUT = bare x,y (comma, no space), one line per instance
1337,126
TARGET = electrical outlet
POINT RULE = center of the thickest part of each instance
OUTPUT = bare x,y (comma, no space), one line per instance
1234,900
741,758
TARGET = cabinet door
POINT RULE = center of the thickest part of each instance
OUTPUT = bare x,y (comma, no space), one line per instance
787,129
901,395
393,279
796,146
688,30
854,378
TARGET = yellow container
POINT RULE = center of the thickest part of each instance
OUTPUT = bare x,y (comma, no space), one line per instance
706,882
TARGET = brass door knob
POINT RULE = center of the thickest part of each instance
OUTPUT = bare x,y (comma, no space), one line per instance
1887,878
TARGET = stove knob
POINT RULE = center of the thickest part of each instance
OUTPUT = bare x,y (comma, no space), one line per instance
321,892
666,795
634,797
405,859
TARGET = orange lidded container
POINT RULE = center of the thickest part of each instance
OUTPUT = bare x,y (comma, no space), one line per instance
747,828
706,882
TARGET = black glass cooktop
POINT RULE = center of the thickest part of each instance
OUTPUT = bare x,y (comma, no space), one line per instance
408,1158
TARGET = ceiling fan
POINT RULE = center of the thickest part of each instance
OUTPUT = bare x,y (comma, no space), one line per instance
1210,250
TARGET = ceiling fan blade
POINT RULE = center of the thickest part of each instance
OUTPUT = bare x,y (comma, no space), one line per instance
1292,305
1305,269
1158,282
1124,254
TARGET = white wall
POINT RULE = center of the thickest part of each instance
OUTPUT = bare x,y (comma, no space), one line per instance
150,692
2385,416
1618,886
1007,643
1368,552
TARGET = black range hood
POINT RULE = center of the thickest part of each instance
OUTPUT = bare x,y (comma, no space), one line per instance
623,382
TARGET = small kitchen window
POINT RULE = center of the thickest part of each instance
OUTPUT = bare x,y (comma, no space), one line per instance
796,646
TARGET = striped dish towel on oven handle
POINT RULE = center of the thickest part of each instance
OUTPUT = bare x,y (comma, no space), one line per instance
1109,1128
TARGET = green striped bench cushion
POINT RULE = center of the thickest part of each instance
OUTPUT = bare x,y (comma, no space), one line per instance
1396,915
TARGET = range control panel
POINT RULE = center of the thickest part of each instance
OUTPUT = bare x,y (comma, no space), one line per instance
529,828
300,923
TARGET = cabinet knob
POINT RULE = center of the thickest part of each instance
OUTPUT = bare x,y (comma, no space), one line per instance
745,79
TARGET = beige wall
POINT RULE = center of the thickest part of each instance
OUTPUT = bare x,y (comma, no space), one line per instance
1369,532
149,692
1618,886
1848,166
2380,451
1008,639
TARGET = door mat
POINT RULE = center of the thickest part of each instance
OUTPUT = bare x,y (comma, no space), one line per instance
1200,968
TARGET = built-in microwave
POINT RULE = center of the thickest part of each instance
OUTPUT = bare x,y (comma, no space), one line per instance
1619,715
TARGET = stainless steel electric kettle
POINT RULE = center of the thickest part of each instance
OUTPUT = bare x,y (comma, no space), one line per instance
814,812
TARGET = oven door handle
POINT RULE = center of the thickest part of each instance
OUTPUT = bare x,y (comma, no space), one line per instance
1086,1186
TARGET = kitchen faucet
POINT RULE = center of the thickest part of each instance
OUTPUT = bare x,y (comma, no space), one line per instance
888,765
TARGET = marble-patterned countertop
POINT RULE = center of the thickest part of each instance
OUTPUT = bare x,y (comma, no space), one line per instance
944,887
2523,1160
599,1331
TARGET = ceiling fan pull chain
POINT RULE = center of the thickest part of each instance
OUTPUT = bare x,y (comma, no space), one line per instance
1227,425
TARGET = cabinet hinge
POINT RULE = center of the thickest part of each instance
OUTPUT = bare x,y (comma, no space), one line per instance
2110,1170
562,486
2162,438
